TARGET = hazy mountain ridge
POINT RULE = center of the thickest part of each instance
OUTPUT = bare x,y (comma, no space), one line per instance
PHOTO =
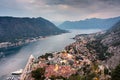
13,28
92,23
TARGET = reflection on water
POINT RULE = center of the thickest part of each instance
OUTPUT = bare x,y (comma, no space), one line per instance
18,58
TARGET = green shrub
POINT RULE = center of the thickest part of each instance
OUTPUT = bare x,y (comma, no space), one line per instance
38,74
116,73
46,56
75,77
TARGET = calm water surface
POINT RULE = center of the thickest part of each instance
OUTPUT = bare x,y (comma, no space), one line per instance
18,58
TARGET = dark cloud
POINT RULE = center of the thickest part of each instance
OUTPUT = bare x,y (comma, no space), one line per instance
68,2
81,2
60,10
112,2
92,5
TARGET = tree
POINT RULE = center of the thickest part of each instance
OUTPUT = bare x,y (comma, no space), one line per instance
90,76
38,74
106,71
46,56
116,73
57,77
74,77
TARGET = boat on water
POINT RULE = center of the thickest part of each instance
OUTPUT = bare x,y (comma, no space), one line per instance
18,72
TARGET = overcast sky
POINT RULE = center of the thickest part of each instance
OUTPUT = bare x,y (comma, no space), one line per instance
60,10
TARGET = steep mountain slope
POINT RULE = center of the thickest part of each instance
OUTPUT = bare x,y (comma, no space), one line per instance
93,23
14,28
107,46
112,40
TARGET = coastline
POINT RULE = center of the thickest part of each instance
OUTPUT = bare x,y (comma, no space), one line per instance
6,46
69,53
66,41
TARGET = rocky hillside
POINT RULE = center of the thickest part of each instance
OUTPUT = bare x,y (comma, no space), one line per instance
112,40
92,23
107,46
15,28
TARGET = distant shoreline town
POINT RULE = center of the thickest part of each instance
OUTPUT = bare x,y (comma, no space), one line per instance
20,42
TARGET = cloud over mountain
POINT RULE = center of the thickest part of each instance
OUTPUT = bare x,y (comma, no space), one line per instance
61,10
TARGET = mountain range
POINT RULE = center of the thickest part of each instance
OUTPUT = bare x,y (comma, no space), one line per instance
15,28
92,23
